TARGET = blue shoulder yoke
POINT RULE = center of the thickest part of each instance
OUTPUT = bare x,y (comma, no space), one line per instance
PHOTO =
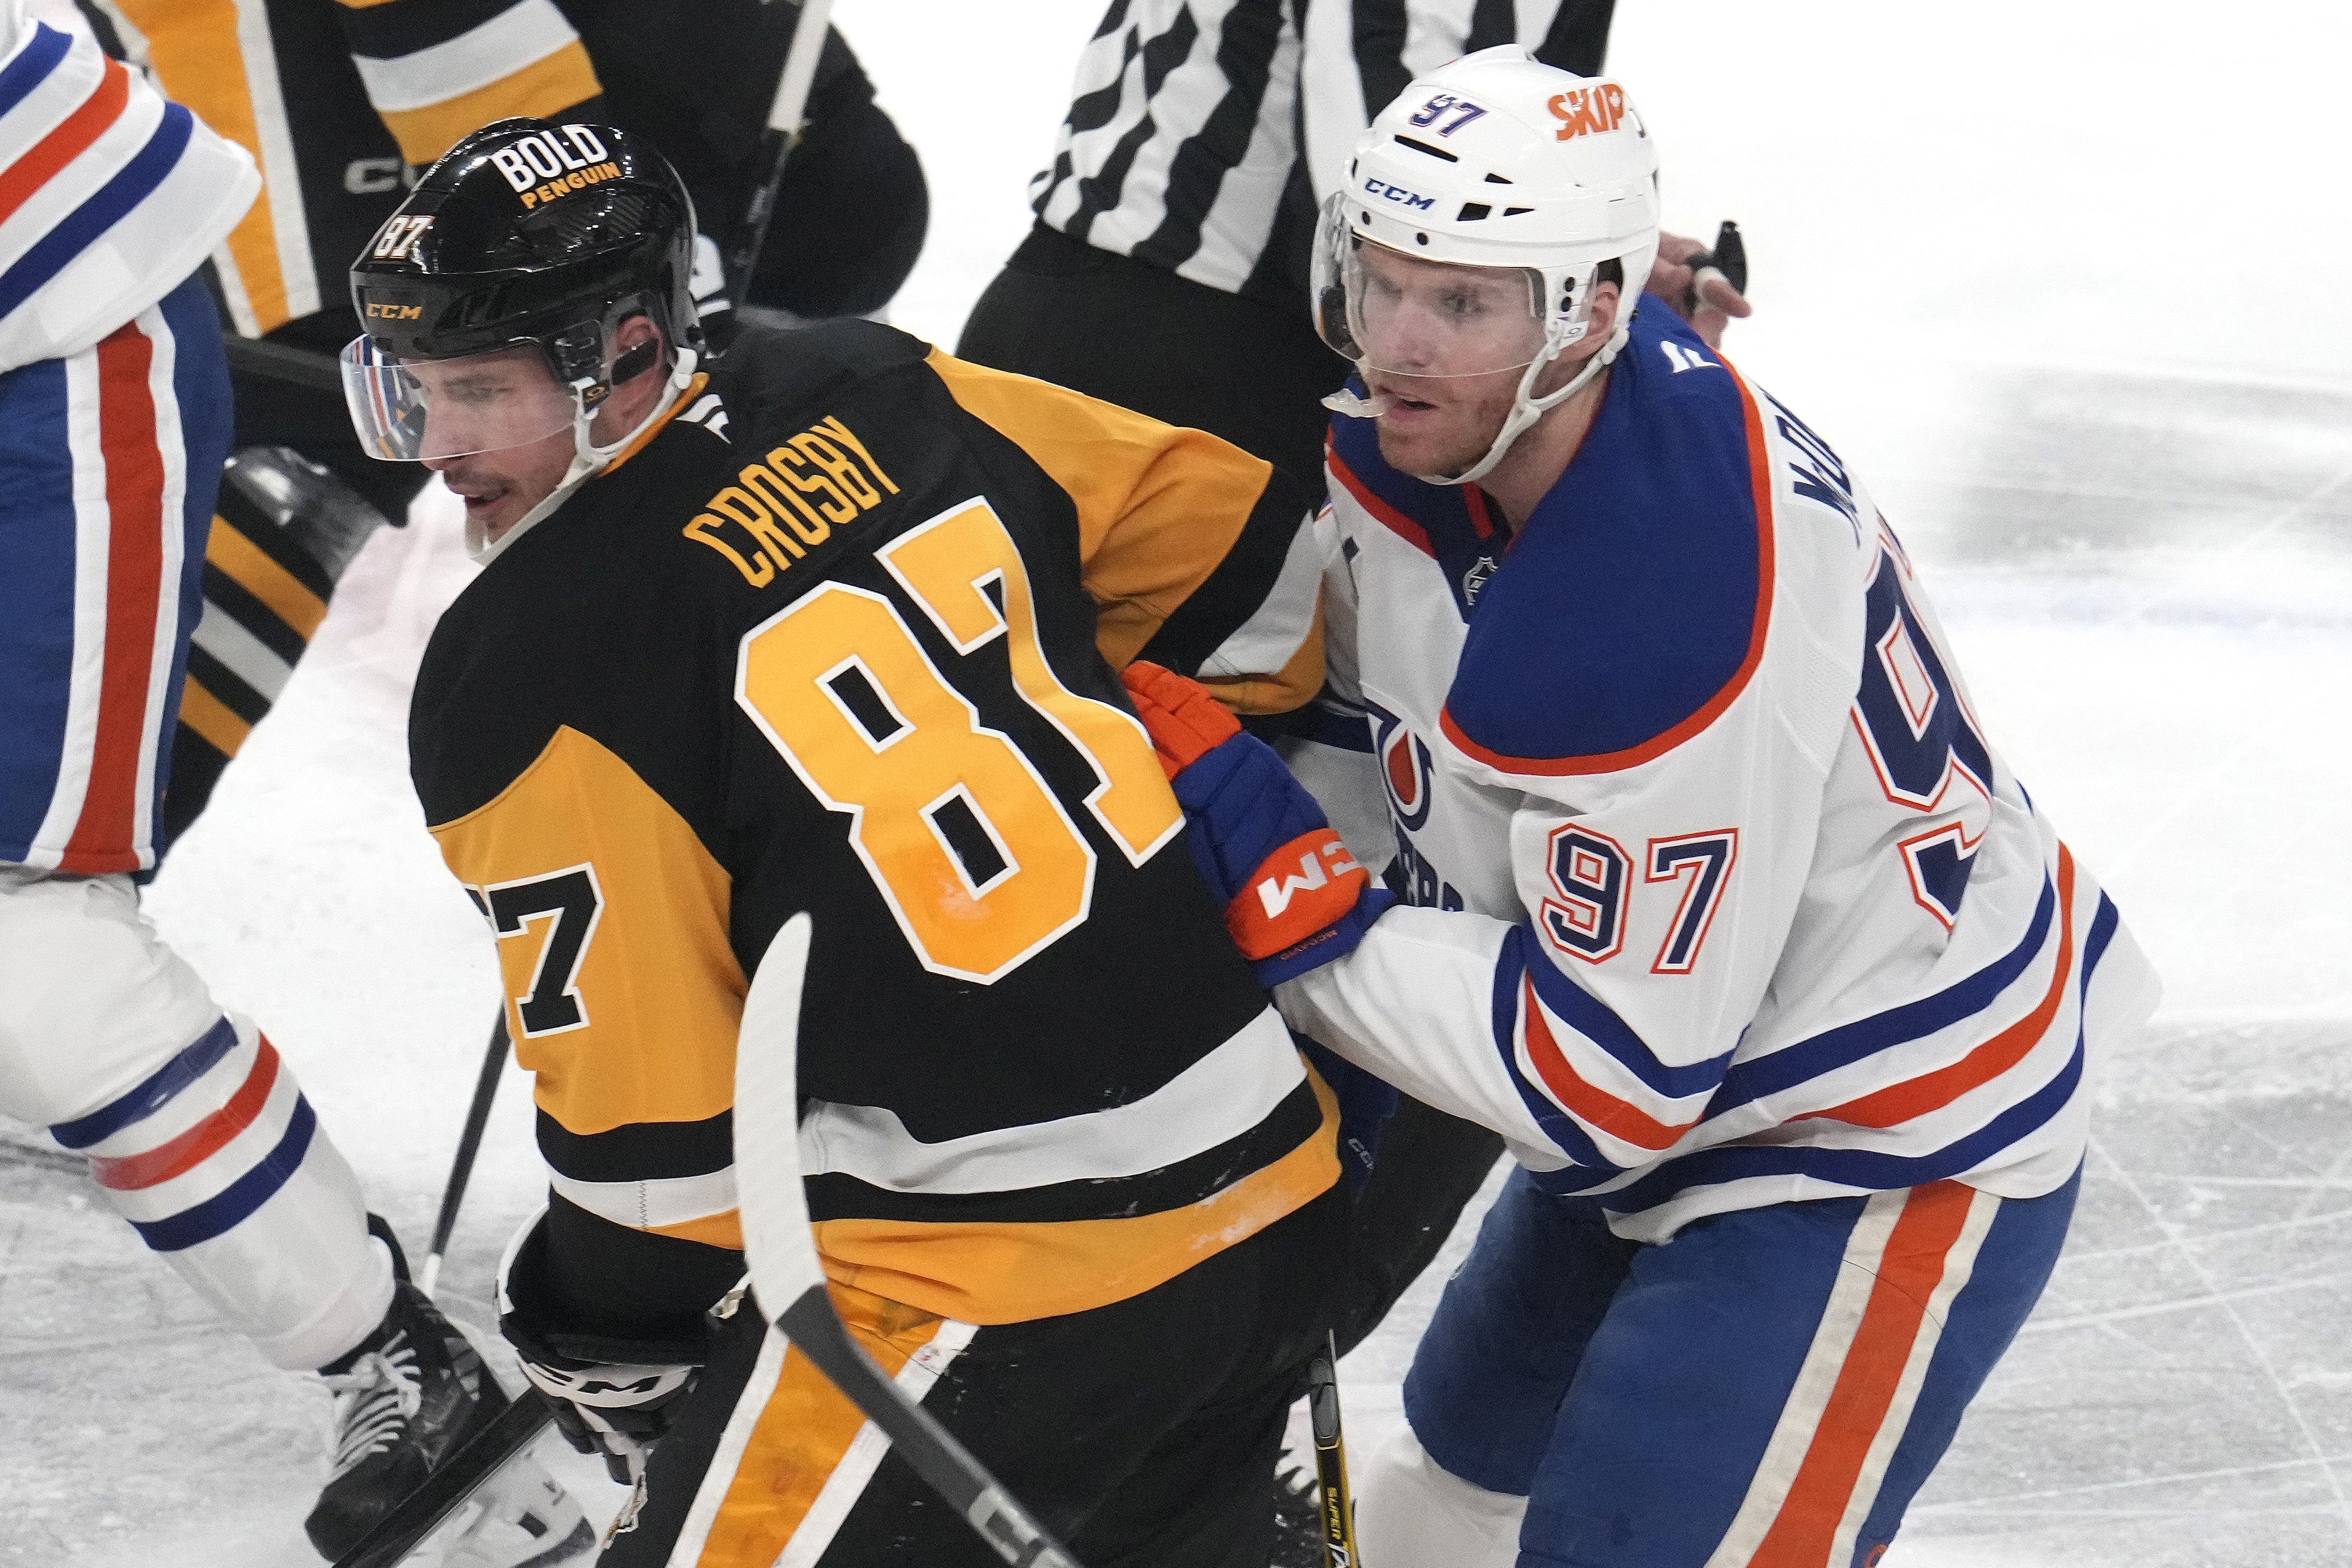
1632,607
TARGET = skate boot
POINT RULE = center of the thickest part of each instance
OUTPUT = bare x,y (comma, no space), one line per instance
406,1399
1298,1514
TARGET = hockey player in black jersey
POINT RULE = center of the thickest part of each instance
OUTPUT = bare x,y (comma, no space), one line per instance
837,629
339,103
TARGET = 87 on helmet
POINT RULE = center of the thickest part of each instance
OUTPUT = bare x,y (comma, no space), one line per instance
524,248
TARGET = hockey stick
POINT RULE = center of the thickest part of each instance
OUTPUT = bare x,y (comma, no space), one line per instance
469,1143
776,143
1331,1458
784,1266
282,362
395,1535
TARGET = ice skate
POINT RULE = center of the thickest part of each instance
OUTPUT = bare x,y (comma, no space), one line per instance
406,1399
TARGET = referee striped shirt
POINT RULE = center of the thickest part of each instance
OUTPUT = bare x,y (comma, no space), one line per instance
1203,133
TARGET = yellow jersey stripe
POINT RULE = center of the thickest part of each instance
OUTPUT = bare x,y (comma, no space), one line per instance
543,89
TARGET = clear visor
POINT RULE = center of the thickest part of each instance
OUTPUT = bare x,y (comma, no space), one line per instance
407,411
1406,316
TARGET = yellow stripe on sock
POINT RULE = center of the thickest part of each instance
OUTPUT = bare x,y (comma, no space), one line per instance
210,718
263,578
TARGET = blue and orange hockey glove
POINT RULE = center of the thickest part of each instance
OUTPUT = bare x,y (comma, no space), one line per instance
1294,898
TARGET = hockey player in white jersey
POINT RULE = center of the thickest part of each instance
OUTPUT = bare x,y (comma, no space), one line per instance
1717,903
114,419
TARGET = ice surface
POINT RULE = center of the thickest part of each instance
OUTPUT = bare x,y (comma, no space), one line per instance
2009,261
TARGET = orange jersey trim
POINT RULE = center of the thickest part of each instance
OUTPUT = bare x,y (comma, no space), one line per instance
1594,1106
1933,1090
1760,479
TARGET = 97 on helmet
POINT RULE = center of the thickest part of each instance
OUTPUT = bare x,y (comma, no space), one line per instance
492,298
1476,215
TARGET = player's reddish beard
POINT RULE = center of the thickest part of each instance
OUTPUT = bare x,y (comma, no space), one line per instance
1442,424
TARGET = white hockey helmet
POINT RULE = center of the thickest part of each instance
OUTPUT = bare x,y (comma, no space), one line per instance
1500,162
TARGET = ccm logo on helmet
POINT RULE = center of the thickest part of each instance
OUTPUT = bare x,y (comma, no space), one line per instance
1400,195
381,312
1588,108
550,164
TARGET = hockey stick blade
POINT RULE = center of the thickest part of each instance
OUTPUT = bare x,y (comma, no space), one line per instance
397,1535
1331,1458
785,1269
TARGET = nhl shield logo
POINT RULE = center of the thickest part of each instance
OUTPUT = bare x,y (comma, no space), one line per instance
1405,767
1475,579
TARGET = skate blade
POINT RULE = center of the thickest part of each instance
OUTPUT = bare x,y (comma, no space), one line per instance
521,1518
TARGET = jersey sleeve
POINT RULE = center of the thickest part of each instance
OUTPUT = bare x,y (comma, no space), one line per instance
436,70
1654,902
1183,538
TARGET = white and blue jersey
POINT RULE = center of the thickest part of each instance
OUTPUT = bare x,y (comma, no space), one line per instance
1725,899
109,196
114,418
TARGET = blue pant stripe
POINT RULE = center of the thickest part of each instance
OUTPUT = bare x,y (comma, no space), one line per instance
241,1197
152,1095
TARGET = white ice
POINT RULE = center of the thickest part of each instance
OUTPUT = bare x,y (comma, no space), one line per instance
2063,282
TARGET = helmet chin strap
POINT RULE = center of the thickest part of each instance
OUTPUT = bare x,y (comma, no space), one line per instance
588,459
1526,410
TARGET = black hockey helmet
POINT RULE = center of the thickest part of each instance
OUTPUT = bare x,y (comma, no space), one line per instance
527,234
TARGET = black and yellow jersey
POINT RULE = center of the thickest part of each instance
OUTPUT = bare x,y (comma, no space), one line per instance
840,636
336,99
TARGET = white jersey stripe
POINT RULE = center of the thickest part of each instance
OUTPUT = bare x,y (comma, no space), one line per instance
654,1202
1221,1096
283,184
519,36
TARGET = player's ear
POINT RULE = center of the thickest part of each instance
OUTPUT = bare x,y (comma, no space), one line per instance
637,347
1608,294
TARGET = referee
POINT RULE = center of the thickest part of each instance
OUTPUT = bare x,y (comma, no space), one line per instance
1168,272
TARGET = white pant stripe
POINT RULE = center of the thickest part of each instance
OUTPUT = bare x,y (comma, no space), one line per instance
1959,1262
758,1389
848,1483
1792,1435
170,446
